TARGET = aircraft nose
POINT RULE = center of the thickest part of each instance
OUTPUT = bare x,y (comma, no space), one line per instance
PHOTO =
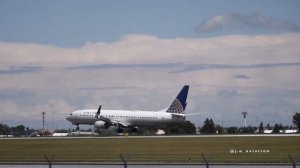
69,118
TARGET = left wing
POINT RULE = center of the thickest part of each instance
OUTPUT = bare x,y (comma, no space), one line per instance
107,120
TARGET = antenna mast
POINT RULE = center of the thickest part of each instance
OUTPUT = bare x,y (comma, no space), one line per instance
244,113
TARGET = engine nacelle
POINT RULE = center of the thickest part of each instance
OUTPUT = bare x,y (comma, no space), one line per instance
101,125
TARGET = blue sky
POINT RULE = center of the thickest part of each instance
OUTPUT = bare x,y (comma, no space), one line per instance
72,23
60,56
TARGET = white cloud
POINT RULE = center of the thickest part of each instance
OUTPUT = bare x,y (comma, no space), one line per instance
134,49
150,87
252,21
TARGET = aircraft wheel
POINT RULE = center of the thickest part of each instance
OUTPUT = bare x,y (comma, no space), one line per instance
134,130
120,130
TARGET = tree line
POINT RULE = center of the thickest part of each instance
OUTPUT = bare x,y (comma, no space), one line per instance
16,131
185,127
209,127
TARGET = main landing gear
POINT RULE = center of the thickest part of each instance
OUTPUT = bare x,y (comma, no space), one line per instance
120,130
77,128
130,129
134,130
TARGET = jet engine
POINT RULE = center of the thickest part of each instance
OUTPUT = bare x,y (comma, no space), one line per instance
101,125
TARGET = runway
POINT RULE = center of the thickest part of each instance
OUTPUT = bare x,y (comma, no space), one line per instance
158,136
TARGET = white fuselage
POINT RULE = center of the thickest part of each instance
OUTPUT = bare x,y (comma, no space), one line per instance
129,118
103,119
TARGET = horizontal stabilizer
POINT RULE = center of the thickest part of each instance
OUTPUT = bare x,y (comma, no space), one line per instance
195,114
178,116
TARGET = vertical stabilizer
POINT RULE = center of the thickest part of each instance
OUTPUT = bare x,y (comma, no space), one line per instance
179,104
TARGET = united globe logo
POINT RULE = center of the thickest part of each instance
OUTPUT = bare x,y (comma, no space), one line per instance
175,107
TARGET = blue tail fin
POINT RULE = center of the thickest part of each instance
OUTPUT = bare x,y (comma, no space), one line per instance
179,104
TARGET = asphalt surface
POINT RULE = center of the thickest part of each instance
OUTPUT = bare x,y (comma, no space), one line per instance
160,136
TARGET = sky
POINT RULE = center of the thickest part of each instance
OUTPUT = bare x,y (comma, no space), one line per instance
63,55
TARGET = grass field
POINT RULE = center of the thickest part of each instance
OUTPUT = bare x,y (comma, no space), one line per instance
186,150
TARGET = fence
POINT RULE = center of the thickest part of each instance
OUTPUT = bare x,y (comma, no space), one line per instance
149,160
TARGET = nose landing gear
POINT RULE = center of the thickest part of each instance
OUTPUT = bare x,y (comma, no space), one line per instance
77,128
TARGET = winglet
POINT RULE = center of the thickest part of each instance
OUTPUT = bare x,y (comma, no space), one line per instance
179,104
98,113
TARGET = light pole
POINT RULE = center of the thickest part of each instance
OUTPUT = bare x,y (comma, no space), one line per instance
43,113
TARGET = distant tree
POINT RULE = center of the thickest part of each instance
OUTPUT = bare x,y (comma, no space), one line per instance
219,129
188,127
268,126
185,127
4,129
208,127
232,130
261,127
280,127
205,127
276,129
246,130
27,130
19,128
212,128
296,120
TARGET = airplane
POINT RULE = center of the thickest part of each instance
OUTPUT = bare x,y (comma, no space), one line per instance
103,119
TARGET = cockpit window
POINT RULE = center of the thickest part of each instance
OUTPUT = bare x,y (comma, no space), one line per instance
70,113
